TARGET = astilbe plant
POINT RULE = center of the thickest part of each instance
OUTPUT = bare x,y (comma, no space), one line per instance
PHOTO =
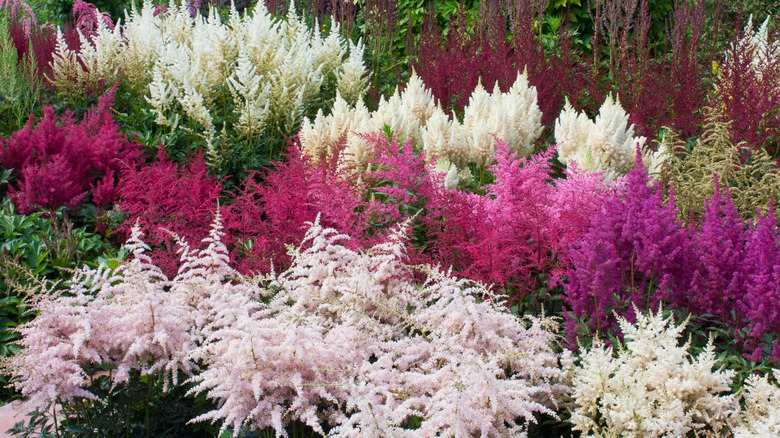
523,225
162,198
634,241
124,319
58,161
637,251
263,219
747,88
650,386
350,340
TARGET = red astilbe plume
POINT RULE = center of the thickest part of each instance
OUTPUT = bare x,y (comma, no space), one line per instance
264,219
162,198
41,39
749,91
59,160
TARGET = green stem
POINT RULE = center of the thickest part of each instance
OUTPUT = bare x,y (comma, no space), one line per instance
148,396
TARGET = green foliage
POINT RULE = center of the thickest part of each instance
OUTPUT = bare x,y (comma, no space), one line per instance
19,88
138,408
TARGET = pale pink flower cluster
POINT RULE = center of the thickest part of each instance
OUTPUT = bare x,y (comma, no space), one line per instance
125,319
359,341
351,340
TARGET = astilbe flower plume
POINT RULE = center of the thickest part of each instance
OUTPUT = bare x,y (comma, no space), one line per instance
350,340
524,224
637,251
59,160
650,387
634,240
125,319
263,219
162,198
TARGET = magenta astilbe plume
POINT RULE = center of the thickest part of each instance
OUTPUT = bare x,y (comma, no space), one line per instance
716,285
162,198
87,16
523,225
634,242
57,161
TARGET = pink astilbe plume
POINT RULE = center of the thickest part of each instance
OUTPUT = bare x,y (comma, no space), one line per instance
524,224
57,161
350,340
162,198
275,214
126,319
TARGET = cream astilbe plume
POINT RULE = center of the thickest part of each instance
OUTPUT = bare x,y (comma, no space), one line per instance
650,387
144,42
352,76
761,416
351,340
513,117
475,114
571,133
605,145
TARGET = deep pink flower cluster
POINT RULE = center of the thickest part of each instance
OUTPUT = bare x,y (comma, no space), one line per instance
58,161
637,252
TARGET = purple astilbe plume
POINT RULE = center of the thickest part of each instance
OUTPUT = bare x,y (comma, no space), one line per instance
351,341
717,286
162,198
634,243
125,319
762,281
57,161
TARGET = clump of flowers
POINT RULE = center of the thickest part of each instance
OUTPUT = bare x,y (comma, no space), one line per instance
125,319
271,70
747,87
650,386
761,414
354,330
412,115
58,161
604,145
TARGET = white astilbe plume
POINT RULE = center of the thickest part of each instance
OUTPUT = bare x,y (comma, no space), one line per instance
351,340
352,76
650,387
249,94
125,319
268,71
96,63
761,416
605,145
513,117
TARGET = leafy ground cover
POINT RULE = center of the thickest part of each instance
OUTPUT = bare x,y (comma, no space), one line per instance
390,218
